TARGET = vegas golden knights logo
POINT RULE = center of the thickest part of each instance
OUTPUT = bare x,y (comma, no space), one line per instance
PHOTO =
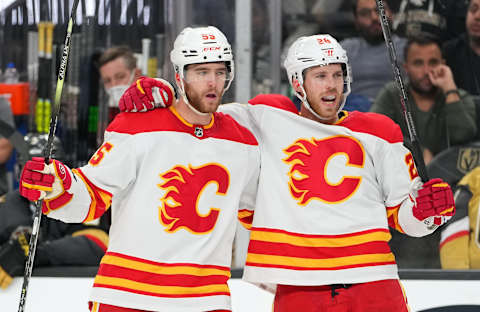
468,158
184,187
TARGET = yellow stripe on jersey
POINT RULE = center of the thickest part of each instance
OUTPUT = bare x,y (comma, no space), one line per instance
246,225
245,214
159,269
320,241
319,263
167,290
102,204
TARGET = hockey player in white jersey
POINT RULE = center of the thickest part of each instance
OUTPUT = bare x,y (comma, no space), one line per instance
175,178
331,184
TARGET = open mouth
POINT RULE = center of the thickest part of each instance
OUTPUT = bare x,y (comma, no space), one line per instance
329,98
211,96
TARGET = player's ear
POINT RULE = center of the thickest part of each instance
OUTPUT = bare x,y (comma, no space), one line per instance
297,87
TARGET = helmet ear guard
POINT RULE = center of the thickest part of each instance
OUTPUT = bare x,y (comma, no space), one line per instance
317,50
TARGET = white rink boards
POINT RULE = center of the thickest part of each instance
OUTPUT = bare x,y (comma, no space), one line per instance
57,294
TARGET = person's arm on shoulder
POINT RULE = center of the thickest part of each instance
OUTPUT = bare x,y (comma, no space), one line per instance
240,113
146,94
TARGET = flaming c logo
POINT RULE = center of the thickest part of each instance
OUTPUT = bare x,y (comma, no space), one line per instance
309,160
184,187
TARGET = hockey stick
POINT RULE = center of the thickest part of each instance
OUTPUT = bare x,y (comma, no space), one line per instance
407,110
48,153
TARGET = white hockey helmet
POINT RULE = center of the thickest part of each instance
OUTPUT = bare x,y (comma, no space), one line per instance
317,50
201,45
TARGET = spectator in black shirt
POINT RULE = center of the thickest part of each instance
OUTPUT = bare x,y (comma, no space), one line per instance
463,53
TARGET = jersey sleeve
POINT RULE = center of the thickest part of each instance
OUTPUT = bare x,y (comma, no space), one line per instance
108,173
244,115
398,178
249,196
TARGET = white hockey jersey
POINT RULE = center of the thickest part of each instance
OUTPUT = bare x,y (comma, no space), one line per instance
175,191
327,195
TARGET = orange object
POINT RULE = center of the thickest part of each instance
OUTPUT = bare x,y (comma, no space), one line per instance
18,95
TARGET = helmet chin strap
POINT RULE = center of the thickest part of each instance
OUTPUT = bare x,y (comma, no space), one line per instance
185,99
310,109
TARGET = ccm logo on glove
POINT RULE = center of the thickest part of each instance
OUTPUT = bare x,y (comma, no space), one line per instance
48,182
434,200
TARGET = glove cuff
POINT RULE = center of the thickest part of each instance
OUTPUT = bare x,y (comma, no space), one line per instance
59,196
411,225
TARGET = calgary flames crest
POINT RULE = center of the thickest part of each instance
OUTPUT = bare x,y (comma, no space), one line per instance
184,186
308,161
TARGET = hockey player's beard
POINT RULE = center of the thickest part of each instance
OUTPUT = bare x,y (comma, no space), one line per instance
198,101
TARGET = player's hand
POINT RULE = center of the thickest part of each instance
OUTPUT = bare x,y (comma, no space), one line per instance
146,94
48,182
434,204
13,255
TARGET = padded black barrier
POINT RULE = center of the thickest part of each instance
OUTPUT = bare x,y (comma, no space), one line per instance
438,274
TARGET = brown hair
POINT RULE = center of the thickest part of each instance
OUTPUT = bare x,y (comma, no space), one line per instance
421,41
116,52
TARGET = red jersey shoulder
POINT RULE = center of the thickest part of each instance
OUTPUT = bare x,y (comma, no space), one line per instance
276,101
375,124
153,120
228,128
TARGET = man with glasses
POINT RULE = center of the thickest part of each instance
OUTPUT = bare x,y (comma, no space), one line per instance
371,66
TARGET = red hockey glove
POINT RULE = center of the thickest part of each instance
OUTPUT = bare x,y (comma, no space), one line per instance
146,94
434,202
49,182
34,181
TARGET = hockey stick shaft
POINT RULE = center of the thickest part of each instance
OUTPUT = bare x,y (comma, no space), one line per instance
406,108
48,152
